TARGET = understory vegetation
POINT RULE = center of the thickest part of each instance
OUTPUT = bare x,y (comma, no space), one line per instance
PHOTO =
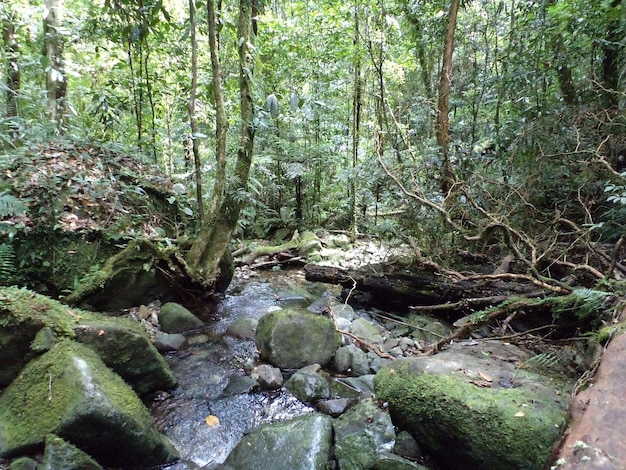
467,130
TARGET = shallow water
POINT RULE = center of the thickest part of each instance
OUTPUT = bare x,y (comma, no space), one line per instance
204,370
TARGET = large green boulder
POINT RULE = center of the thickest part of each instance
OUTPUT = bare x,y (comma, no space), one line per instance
124,347
30,324
61,454
70,392
174,318
301,443
291,340
476,409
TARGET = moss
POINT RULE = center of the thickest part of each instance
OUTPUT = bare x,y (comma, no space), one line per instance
62,454
70,392
491,428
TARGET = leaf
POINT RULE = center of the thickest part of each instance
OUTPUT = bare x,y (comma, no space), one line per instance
519,414
212,421
188,211
485,376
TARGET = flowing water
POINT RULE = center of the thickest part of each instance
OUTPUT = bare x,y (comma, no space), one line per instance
206,368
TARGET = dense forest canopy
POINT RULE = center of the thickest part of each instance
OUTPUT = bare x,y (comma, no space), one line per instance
479,125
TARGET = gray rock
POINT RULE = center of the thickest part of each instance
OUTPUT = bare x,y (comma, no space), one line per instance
268,377
475,410
243,328
68,391
61,454
334,407
124,346
291,340
342,310
308,385
361,435
174,318
387,461
351,359
302,443
166,342
406,446
238,384
367,331
23,463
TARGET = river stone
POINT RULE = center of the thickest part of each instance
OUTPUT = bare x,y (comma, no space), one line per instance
174,318
243,328
124,347
70,392
23,463
367,331
308,385
342,310
351,359
472,407
361,435
291,340
166,342
387,461
335,406
268,377
301,443
61,454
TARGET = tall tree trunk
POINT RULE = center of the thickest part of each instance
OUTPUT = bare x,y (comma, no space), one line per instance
357,105
221,122
191,107
56,80
448,177
215,234
611,48
11,51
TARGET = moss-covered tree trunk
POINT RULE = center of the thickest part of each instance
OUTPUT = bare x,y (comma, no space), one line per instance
215,234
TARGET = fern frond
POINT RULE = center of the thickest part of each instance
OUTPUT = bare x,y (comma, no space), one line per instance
11,205
7,264
583,301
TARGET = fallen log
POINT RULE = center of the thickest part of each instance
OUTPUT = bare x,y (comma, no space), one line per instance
400,290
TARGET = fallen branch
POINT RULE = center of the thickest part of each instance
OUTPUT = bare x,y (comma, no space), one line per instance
475,302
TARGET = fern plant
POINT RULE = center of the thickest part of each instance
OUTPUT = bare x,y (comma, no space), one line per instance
11,205
7,264
583,301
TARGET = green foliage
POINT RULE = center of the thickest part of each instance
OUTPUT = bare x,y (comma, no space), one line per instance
583,302
7,264
11,205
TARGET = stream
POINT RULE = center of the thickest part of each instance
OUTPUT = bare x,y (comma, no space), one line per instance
213,360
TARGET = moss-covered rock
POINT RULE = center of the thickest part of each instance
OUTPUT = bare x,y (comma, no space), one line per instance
174,318
61,454
301,443
475,418
124,347
68,391
291,340
362,434
31,324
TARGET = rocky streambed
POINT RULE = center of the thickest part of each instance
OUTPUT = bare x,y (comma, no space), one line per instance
287,375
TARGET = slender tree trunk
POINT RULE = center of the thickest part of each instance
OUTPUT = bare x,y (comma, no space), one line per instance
56,80
191,107
221,122
448,177
611,48
13,75
150,92
215,234
357,105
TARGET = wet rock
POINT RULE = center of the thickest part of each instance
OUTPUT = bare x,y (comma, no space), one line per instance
23,463
473,407
406,446
308,385
166,342
351,359
268,377
291,340
174,318
361,435
334,407
302,443
388,461
238,384
243,328
61,454
69,391
367,331
124,347
342,310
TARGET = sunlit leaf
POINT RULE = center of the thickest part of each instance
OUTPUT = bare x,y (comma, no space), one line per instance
212,421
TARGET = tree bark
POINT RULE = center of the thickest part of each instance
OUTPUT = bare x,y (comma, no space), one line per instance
56,80
356,121
13,75
448,177
191,107
221,122
215,234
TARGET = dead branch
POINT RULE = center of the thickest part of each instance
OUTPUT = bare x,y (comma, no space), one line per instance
475,302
